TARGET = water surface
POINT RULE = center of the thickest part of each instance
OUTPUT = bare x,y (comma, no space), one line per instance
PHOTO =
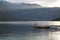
27,32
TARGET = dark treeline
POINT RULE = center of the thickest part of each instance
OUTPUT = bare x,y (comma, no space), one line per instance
57,19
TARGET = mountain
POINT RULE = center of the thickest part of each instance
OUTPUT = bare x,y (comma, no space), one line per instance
40,14
27,6
27,12
3,5
15,6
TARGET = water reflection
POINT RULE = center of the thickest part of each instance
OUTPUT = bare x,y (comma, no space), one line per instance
44,34
38,35
24,32
54,35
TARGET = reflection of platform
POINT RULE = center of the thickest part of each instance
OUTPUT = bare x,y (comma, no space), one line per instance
55,27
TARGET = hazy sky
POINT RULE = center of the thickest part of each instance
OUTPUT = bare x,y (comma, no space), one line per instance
46,3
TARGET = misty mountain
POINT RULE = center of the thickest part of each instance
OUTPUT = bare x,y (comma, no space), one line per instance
30,12
13,6
27,6
40,14
3,5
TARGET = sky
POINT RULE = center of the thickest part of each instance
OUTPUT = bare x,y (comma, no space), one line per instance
45,3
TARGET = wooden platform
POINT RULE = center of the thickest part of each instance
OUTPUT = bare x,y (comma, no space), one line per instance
42,27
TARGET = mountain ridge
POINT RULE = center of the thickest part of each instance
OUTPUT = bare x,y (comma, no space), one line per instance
42,14
8,13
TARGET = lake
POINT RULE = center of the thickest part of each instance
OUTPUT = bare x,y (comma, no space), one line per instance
27,32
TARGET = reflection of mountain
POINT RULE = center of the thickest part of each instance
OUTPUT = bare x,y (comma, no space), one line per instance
7,5
20,12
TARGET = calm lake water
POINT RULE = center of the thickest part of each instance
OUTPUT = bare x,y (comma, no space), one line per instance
27,32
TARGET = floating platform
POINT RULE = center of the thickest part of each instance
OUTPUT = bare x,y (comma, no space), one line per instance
42,27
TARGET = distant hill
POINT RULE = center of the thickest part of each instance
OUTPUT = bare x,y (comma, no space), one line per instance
3,5
42,14
27,12
27,6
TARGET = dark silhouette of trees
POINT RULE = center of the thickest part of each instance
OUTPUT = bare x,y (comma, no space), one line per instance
57,19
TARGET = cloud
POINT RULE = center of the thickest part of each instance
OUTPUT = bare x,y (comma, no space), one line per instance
31,0
48,0
45,3
50,3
